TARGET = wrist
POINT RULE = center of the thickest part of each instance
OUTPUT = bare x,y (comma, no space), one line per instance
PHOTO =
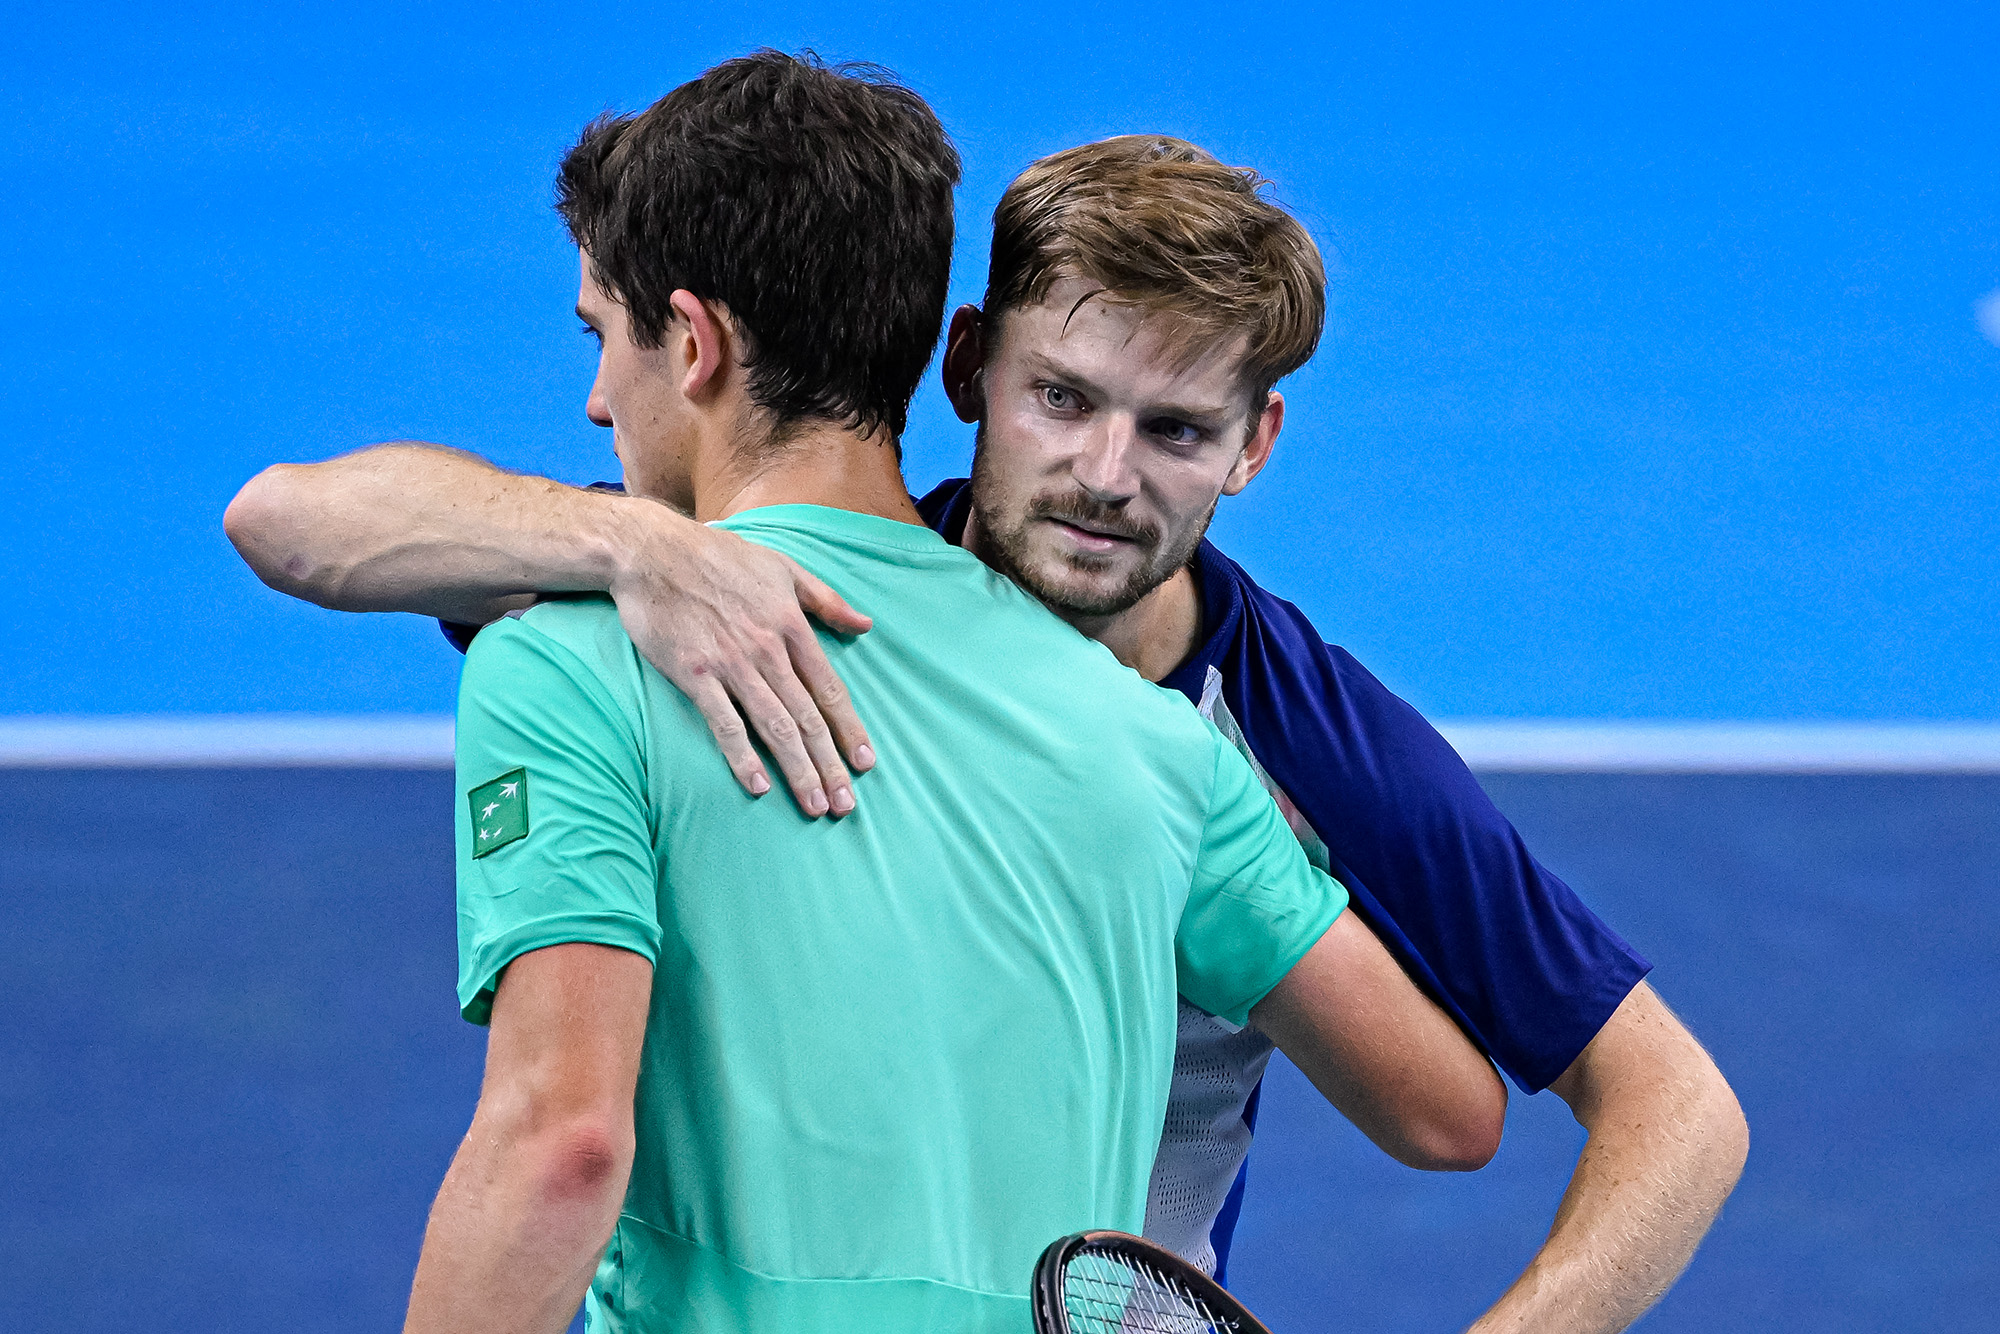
628,535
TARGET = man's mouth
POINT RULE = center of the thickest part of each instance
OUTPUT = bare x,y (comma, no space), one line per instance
1094,529
1091,520
1092,537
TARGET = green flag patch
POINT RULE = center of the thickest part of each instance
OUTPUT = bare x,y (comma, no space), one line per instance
499,812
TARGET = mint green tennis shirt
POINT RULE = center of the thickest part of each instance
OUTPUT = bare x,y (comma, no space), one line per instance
890,1057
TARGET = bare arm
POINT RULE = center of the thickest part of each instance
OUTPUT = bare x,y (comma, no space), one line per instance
535,1189
441,533
428,530
1666,1145
1386,1057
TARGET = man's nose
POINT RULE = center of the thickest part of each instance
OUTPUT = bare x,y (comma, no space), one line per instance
595,407
1106,466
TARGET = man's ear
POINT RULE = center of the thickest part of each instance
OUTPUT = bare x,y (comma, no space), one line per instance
710,344
965,364
1257,453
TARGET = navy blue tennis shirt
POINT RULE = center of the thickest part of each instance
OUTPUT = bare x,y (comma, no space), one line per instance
1429,862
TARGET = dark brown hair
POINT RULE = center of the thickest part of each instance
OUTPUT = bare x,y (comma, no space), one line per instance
813,201
1158,224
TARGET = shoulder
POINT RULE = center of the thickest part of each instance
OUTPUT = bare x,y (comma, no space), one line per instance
570,617
579,627
569,643
1182,748
1177,722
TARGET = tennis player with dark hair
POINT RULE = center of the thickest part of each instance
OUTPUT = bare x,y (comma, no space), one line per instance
753,1070
1143,302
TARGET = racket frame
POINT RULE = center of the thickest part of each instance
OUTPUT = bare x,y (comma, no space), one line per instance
1052,1313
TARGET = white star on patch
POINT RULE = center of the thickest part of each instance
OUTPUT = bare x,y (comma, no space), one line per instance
489,810
509,789
485,834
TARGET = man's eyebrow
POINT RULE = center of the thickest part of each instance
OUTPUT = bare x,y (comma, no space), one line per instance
584,315
1207,415
1044,366
1194,412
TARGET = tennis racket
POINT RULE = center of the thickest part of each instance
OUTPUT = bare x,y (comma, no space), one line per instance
1115,1283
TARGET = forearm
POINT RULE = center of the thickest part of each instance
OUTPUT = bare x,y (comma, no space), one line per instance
1666,1145
1384,1055
423,529
517,1231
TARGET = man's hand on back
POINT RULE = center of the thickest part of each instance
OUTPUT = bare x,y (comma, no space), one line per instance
725,621
437,532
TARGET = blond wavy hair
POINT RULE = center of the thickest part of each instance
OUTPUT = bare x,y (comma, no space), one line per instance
1160,225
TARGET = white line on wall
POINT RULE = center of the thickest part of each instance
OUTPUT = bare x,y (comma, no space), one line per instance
1576,746
359,741
419,741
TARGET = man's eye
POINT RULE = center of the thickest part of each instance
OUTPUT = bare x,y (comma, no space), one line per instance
1176,432
1059,398
593,333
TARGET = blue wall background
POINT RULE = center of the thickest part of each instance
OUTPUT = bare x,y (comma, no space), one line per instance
1653,388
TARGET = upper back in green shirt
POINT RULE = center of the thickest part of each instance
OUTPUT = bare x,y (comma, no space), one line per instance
890,1056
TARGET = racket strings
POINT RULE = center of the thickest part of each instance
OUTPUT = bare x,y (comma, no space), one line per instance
1106,1294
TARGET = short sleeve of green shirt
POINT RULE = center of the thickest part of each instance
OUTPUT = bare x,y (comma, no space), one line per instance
1256,905
554,830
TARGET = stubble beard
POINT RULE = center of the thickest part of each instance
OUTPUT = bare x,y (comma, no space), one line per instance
1005,545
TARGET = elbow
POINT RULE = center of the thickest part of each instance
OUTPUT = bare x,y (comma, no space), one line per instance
1728,1129
262,523
1468,1150
1462,1148
242,521
555,1149
254,523
558,1159
1460,1138
581,1160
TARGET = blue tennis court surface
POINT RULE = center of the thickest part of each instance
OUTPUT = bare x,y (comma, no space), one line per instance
233,1072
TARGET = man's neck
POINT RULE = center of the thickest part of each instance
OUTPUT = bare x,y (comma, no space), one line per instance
1154,635
817,464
